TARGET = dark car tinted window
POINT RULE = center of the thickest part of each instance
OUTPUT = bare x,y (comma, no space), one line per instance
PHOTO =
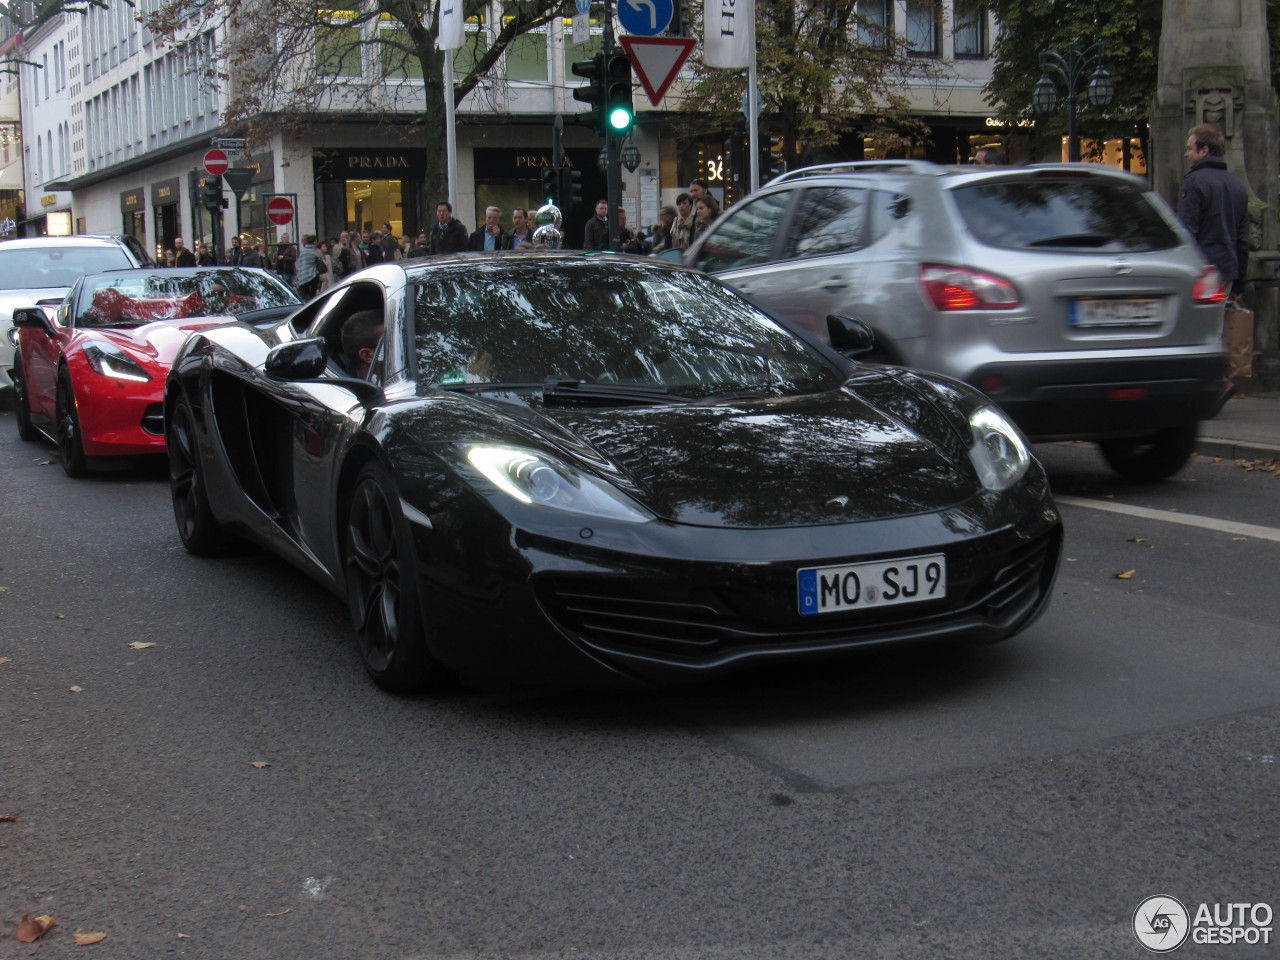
828,220
32,268
744,236
513,322
1076,213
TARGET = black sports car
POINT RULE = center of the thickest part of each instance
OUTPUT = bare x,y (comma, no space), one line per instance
582,468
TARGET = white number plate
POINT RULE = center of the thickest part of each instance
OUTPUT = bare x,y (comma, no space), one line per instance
1108,313
859,586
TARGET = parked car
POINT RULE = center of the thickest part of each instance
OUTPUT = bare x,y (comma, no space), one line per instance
91,377
1068,293
44,268
575,468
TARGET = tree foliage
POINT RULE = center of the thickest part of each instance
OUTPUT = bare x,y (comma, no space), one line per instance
1129,28
822,70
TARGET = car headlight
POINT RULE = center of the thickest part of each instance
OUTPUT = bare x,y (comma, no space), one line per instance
536,478
999,453
110,361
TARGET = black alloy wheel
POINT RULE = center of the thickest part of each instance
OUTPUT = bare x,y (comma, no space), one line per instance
200,531
1153,457
26,430
382,587
70,445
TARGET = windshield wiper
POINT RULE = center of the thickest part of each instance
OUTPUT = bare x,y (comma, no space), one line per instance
1074,240
555,389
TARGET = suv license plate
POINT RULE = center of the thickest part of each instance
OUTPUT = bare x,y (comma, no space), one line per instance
1108,313
859,586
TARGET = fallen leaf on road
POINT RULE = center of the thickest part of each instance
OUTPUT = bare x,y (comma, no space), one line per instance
8,818
76,689
184,936
62,616
1239,538
29,931
1137,540
92,936
4,659
1127,575
260,764
139,645
281,913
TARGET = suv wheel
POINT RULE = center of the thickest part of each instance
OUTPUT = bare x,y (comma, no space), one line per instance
1152,457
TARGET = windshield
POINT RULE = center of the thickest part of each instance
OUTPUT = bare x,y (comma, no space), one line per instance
1088,213
534,325
136,297
35,268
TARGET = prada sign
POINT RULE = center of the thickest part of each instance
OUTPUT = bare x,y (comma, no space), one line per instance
131,201
166,191
368,164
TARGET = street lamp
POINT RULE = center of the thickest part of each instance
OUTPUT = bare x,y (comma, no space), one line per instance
630,155
1072,68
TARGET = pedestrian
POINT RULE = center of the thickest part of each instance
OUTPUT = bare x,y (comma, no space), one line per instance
629,240
660,235
448,235
391,251
521,231
286,259
307,275
420,247
205,257
326,258
991,156
253,255
705,211
371,247
182,257
699,188
596,234
491,236
170,258
235,254
682,225
1214,207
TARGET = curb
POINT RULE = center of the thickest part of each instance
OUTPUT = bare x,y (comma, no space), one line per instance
1235,449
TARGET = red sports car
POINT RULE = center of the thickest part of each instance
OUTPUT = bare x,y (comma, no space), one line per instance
89,374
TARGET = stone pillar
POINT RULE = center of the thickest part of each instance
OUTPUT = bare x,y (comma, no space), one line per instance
1215,67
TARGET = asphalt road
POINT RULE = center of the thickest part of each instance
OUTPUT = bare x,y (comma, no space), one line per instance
1013,801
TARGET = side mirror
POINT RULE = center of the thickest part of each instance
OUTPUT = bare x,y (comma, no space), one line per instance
33,318
850,336
297,360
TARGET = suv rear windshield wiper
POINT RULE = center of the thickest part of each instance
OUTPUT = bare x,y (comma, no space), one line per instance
563,390
1074,240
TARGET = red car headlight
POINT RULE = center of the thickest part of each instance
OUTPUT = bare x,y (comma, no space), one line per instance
111,361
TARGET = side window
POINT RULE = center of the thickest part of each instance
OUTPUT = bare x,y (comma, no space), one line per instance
744,236
888,210
829,220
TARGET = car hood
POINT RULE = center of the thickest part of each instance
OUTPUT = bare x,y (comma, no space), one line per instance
813,459
157,341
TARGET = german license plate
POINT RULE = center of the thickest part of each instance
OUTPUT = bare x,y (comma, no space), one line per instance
860,586
1115,313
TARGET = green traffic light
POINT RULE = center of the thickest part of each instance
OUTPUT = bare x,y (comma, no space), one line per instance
619,118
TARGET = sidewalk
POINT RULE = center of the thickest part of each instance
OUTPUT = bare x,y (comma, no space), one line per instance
1248,428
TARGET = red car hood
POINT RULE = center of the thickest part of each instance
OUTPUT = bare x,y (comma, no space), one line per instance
158,341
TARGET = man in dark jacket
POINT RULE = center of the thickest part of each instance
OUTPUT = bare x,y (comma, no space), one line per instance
491,236
183,256
1215,206
596,234
448,235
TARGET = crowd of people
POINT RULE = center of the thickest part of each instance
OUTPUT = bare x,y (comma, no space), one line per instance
313,265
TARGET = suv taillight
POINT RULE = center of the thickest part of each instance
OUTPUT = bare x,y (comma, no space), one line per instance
957,288
1208,287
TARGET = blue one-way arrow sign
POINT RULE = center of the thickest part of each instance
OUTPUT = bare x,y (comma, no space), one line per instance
645,18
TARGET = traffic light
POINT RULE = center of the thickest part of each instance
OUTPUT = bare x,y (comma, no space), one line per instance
570,187
619,109
551,185
593,93
211,192
772,161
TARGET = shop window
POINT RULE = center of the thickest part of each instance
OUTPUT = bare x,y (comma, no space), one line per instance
971,33
922,28
338,44
877,23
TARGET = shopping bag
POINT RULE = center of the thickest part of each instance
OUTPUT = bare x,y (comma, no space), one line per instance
1237,332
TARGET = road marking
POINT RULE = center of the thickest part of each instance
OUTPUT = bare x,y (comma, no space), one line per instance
1186,519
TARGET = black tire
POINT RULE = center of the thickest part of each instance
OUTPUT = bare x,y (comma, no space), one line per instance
26,430
70,444
200,531
1152,457
382,586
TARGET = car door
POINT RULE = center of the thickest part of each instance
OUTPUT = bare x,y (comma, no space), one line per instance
740,247
40,357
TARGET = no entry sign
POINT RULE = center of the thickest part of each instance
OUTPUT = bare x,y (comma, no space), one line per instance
280,210
216,162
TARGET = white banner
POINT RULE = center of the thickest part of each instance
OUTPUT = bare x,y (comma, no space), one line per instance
449,34
730,33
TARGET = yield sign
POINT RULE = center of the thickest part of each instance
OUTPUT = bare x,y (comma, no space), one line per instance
657,60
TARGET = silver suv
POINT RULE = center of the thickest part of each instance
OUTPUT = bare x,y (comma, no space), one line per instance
45,268
1069,293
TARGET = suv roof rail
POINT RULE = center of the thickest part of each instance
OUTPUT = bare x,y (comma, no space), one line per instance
918,167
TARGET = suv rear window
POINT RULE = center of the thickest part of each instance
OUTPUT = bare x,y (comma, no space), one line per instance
34,268
1053,213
